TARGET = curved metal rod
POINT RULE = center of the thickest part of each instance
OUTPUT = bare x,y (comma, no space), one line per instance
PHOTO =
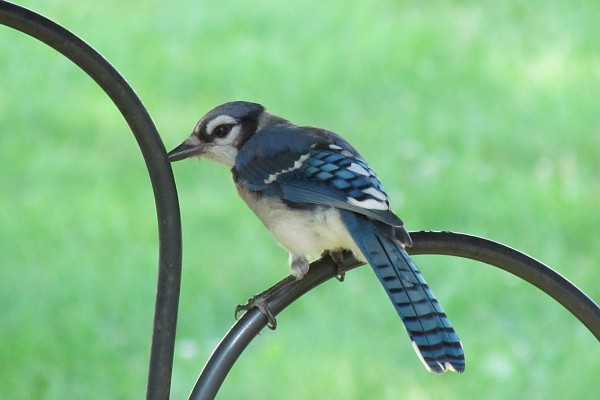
440,243
161,176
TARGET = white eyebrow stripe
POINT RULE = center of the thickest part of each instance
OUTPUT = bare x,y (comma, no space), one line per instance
221,119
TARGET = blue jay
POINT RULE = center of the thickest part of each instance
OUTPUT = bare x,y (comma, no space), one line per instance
316,194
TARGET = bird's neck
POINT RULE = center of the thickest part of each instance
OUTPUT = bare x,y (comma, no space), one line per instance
268,119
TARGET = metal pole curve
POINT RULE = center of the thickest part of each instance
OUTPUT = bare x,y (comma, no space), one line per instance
438,243
161,177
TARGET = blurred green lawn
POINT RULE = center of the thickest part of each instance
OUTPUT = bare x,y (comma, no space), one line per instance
480,117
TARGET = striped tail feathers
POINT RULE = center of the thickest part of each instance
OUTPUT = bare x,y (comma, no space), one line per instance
431,333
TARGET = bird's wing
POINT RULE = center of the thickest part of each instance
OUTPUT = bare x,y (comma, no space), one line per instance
312,166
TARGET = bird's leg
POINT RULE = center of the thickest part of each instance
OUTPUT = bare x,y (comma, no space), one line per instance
299,266
341,258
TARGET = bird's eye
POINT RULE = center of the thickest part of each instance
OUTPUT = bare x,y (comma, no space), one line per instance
222,130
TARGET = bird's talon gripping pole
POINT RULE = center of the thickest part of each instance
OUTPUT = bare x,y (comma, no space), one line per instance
343,260
261,301
261,305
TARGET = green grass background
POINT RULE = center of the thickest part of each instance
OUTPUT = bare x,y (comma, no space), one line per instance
480,117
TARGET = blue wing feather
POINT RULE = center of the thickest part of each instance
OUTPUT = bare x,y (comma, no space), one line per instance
270,151
313,166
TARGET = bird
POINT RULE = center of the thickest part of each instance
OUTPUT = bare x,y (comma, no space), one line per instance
317,195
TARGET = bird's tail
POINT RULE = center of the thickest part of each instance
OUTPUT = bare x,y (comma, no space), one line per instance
431,333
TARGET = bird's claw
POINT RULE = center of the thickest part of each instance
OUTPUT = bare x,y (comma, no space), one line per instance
339,259
260,303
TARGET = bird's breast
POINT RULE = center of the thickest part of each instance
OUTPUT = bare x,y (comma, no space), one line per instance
305,230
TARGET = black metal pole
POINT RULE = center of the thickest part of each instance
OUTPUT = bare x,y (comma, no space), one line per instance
518,264
161,176
442,243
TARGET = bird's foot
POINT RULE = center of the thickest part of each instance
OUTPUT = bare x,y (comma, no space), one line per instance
261,301
340,258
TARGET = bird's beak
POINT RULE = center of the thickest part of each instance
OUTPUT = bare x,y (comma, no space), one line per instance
185,150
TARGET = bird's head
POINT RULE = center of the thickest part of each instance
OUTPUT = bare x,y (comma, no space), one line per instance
223,131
